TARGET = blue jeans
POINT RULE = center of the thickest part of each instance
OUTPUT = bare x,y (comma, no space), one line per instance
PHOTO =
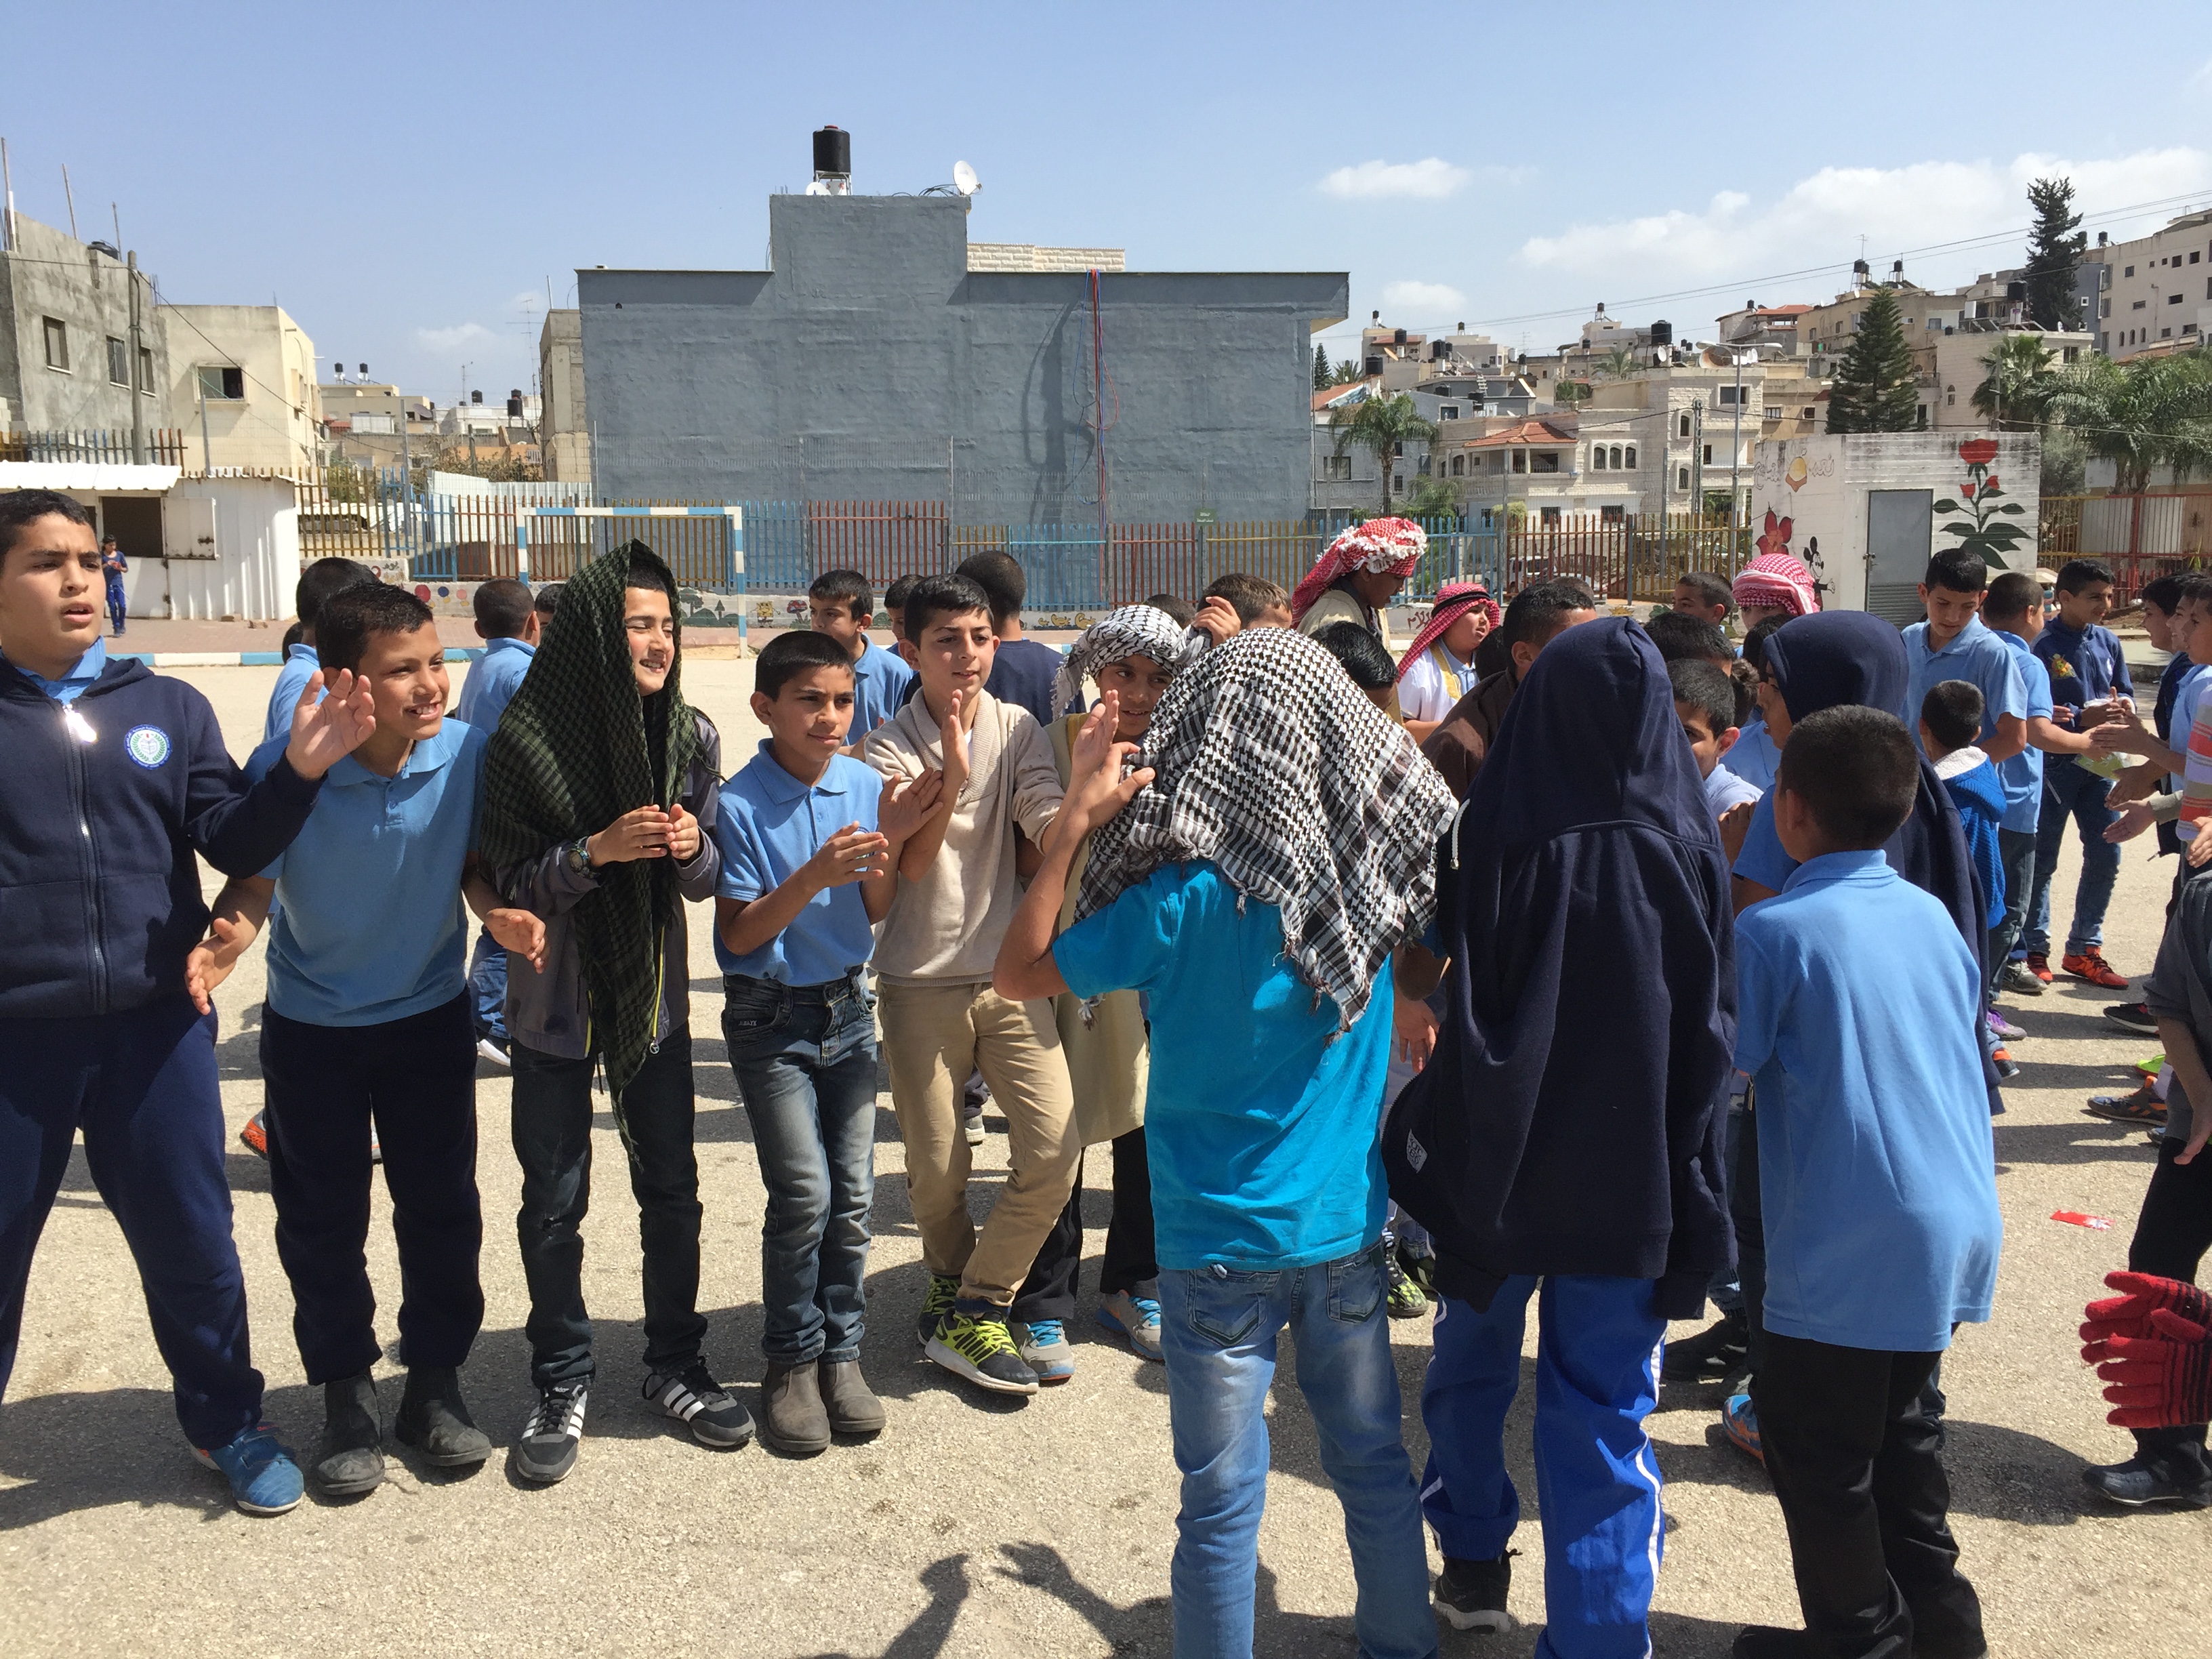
488,985
2075,792
1597,1361
806,1062
1219,1327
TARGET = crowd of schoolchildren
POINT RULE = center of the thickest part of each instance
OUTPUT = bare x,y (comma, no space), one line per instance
1322,940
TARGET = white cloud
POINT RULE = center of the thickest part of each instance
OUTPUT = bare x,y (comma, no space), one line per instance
1425,301
1819,221
1433,177
452,339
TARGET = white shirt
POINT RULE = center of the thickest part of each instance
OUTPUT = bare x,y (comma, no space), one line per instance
1425,692
1724,790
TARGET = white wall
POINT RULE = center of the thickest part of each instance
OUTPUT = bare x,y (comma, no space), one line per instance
257,546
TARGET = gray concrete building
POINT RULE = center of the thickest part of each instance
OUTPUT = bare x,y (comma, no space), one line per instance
64,335
565,432
872,361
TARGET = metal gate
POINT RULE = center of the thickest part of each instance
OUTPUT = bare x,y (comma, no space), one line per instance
708,559
1899,532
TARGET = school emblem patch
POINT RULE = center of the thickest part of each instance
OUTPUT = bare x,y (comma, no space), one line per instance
147,745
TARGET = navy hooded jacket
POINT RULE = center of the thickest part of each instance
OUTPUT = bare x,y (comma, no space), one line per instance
99,889
1568,1121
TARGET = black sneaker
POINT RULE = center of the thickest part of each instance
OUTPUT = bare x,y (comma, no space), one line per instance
1471,1595
1713,1354
547,1450
692,1397
982,1351
2141,1481
2132,1016
936,1302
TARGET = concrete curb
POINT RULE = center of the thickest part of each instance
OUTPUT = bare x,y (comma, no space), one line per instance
245,658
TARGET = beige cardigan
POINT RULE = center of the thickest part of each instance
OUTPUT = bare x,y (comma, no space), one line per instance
1109,1060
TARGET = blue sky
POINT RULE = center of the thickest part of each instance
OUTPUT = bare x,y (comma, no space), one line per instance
406,180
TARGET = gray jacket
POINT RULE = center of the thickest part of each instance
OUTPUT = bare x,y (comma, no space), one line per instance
549,1012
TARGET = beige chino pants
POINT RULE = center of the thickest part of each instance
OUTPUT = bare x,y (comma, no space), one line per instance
934,1034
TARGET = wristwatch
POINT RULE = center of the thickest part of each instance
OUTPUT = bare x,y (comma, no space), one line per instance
578,853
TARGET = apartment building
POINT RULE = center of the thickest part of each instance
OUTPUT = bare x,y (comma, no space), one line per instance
2159,295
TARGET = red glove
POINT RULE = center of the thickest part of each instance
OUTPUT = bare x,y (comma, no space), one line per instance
2161,1381
2130,1315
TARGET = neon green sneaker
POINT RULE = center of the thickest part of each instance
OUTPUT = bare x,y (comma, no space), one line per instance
983,1352
1407,1301
936,1302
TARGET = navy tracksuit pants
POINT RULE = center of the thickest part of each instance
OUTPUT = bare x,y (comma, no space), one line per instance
142,1085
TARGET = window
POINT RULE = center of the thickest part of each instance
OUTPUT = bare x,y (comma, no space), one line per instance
2130,271
1520,460
219,383
1398,483
1333,467
1616,457
1681,478
146,370
1597,458
1684,428
1708,455
2138,305
118,361
1545,460
1549,517
1449,412
1632,458
1728,396
1612,515
2192,259
1422,466
2173,299
1459,467
57,344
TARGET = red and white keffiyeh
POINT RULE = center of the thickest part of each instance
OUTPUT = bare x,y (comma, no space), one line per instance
1454,600
1391,545
1776,579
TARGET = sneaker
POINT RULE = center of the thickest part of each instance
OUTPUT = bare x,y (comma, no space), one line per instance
982,1351
2141,1481
2152,1066
263,1479
1421,1268
1471,1595
2090,965
692,1396
1407,1301
2137,1106
2007,1067
936,1302
254,1136
1713,1353
491,1046
971,1124
433,1419
2005,1030
547,1450
1045,1346
2038,967
2132,1016
1740,1422
2014,976
1134,1318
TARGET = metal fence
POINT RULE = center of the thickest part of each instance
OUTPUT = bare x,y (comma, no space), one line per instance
162,446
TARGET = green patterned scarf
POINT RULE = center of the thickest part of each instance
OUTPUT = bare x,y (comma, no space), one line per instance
576,749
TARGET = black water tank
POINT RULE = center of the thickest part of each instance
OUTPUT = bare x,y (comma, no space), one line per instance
833,150
1401,337
476,397
1662,333
2015,290
514,404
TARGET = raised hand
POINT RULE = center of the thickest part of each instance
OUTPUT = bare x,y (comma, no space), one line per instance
905,802
1735,826
325,733
641,833
1096,788
1218,619
211,960
521,932
953,735
849,856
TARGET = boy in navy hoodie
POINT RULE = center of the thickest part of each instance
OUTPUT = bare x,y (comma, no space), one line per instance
115,779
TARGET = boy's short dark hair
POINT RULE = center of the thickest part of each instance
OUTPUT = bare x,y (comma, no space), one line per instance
321,582
1361,654
546,600
1710,588
503,607
292,637
1181,610
2196,588
1540,611
1248,595
1957,572
19,508
2013,593
1951,711
933,597
787,656
648,574
2164,591
894,595
1855,770
999,575
2077,573
1754,643
848,586
1688,639
1709,689
354,616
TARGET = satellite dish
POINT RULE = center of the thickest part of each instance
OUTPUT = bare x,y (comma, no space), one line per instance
963,178
817,188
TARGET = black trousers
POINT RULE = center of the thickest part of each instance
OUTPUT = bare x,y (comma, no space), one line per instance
415,1079
2172,1235
1857,1465
1049,1291
1749,1218
552,1128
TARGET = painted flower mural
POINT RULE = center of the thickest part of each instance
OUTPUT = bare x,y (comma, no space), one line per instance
1980,521
1774,536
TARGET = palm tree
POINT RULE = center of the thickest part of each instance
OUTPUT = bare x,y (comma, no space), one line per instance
2145,413
1619,363
1384,425
2011,396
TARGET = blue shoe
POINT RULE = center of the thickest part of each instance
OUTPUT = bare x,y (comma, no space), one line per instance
1136,1317
263,1479
1045,1346
1739,1422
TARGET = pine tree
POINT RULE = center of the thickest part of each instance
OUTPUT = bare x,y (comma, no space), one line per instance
1322,370
1876,389
2054,250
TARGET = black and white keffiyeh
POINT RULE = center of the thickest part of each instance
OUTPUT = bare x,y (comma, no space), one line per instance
1269,763
1134,631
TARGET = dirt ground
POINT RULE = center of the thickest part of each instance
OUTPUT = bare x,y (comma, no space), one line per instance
970,1527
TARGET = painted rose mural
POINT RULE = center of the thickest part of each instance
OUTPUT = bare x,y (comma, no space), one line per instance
1981,520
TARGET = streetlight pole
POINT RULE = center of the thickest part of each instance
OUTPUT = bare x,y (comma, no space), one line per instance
137,403
1735,453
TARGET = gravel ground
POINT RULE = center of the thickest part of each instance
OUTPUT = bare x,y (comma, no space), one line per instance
970,1527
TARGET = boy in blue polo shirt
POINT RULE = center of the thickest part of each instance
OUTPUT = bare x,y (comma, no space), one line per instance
809,840
839,605
320,583
1952,644
508,623
1878,1188
367,1022
2013,611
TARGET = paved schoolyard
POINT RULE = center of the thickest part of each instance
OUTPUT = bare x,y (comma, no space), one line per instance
970,1527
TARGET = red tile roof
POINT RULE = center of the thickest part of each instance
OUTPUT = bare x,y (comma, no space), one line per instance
1523,432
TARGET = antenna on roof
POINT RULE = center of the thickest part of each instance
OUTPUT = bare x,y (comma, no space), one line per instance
964,179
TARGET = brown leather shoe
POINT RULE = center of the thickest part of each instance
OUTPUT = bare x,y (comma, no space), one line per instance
793,1419
854,1409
